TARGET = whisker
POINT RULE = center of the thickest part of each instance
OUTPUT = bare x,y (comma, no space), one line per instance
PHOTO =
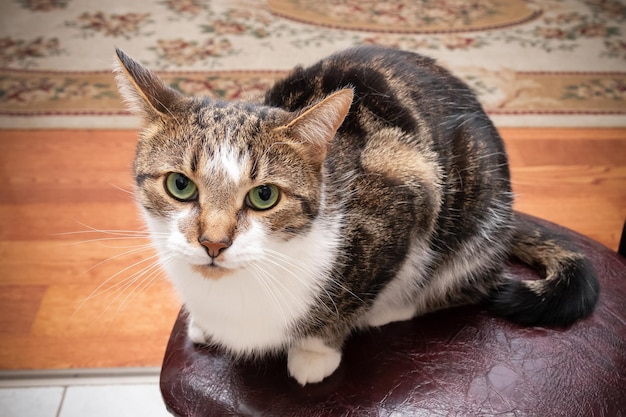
137,249
146,278
137,280
119,289
97,292
91,229
102,242
261,275
297,276
122,233
122,189
301,266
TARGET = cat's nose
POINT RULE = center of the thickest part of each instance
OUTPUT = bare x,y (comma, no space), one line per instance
214,248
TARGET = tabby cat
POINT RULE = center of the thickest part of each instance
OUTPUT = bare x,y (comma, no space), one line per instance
368,188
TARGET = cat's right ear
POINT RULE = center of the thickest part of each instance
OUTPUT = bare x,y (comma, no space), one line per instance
145,94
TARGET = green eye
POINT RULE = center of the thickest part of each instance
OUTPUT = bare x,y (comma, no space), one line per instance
263,197
180,187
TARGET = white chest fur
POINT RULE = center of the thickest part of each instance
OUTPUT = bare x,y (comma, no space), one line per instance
253,309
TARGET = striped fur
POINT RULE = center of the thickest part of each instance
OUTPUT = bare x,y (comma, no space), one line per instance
394,201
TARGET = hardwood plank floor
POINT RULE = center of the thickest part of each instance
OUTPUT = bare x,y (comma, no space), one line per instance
73,297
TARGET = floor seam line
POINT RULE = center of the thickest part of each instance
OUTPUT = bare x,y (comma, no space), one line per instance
60,409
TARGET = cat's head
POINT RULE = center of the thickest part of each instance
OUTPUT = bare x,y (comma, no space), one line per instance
219,180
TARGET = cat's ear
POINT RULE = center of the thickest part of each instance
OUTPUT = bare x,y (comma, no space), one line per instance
145,94
315,128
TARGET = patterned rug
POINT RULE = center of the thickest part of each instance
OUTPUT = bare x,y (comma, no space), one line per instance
533,63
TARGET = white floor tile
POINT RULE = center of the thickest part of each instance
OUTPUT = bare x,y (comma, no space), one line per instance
114,400
30,402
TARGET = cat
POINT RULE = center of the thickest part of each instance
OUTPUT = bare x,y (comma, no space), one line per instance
368,188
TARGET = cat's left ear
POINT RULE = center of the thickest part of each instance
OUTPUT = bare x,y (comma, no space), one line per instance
145,93
315,128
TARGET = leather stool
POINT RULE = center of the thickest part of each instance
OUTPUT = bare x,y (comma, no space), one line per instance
459,362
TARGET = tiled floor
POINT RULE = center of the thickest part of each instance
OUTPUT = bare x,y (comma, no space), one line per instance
112,393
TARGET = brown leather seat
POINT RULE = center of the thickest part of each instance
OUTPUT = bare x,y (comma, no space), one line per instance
456,362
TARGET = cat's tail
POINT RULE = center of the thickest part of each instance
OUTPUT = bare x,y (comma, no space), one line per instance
569,288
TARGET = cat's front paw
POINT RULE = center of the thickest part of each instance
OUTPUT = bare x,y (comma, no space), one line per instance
196,334
311,361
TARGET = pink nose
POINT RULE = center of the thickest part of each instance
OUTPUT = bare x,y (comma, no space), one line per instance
214,248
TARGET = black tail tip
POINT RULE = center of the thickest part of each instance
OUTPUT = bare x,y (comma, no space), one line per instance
558,301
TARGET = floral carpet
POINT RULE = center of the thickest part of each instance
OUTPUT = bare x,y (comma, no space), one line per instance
532,63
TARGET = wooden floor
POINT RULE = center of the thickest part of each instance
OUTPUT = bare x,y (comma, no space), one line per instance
72,297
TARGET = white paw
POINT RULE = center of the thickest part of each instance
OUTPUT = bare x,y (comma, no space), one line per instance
312,361
195,333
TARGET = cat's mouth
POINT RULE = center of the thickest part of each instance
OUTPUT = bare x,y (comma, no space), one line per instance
212,270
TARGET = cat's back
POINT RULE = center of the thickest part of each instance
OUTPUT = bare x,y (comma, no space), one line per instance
397,88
